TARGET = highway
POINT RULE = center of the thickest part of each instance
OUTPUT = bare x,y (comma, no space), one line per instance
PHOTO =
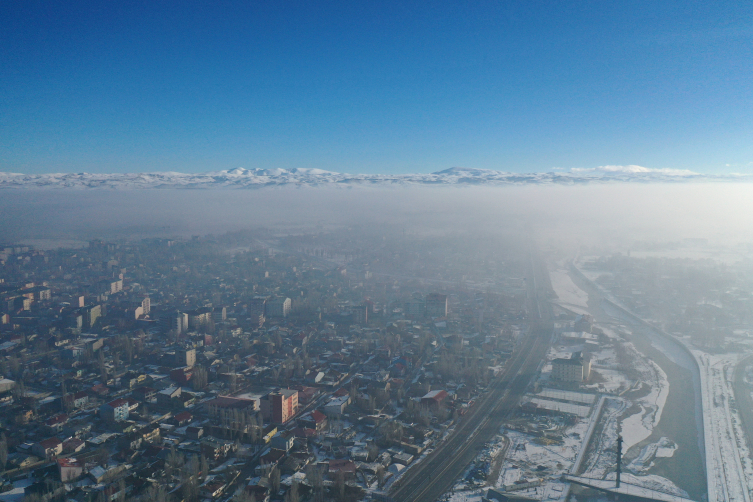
437,473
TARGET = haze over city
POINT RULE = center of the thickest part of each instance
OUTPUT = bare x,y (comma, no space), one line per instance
358,251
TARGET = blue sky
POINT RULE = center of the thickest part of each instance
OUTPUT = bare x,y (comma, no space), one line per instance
375,87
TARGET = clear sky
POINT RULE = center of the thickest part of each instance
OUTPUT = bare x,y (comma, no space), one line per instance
375,87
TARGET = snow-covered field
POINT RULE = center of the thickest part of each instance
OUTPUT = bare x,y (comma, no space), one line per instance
570,296
639,426
528,460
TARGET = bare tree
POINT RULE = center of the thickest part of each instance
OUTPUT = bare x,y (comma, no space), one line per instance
274,478
102,367
190,490
199,378
204,467
3,452
314,477
380,476
156,493
175,461
373,451
121,490
192,467
243,496
14,365
340,485
102,456
128,347
292,495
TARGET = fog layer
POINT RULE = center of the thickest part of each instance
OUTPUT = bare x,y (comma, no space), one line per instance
592,214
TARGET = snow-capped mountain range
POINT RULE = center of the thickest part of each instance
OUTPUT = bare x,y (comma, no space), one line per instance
241,178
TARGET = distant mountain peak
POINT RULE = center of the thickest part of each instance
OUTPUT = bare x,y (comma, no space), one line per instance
466,170
242,178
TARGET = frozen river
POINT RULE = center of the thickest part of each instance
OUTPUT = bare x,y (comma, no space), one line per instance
687,467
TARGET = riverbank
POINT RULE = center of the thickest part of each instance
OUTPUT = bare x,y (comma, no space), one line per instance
685,468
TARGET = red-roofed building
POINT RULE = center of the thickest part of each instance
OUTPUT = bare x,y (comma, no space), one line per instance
341,392
48,449
57,422
181,376
77,400
434,398
306,394
347,467
73,445
70,469
315,420
100,389
182,418
115,411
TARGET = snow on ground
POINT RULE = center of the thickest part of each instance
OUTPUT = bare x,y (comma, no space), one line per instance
570,296
652,482
17,493
463,496
727,479
652,404
666,452
635,428
602,460
643,390
645,374
638,426
470,486
644,461
526,459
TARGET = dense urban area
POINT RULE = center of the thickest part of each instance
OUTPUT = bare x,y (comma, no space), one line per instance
351,365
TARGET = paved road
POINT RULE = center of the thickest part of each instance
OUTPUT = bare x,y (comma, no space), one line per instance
437,473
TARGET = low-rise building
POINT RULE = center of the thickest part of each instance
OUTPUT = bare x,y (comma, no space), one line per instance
115,411
48,449
70,469
335,407
575,369
166,396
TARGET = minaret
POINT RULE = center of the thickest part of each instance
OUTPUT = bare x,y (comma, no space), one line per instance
619,460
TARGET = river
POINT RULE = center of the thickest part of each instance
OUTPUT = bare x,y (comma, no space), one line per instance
682,418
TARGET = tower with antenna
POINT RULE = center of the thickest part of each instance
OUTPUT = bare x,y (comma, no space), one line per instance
619,460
